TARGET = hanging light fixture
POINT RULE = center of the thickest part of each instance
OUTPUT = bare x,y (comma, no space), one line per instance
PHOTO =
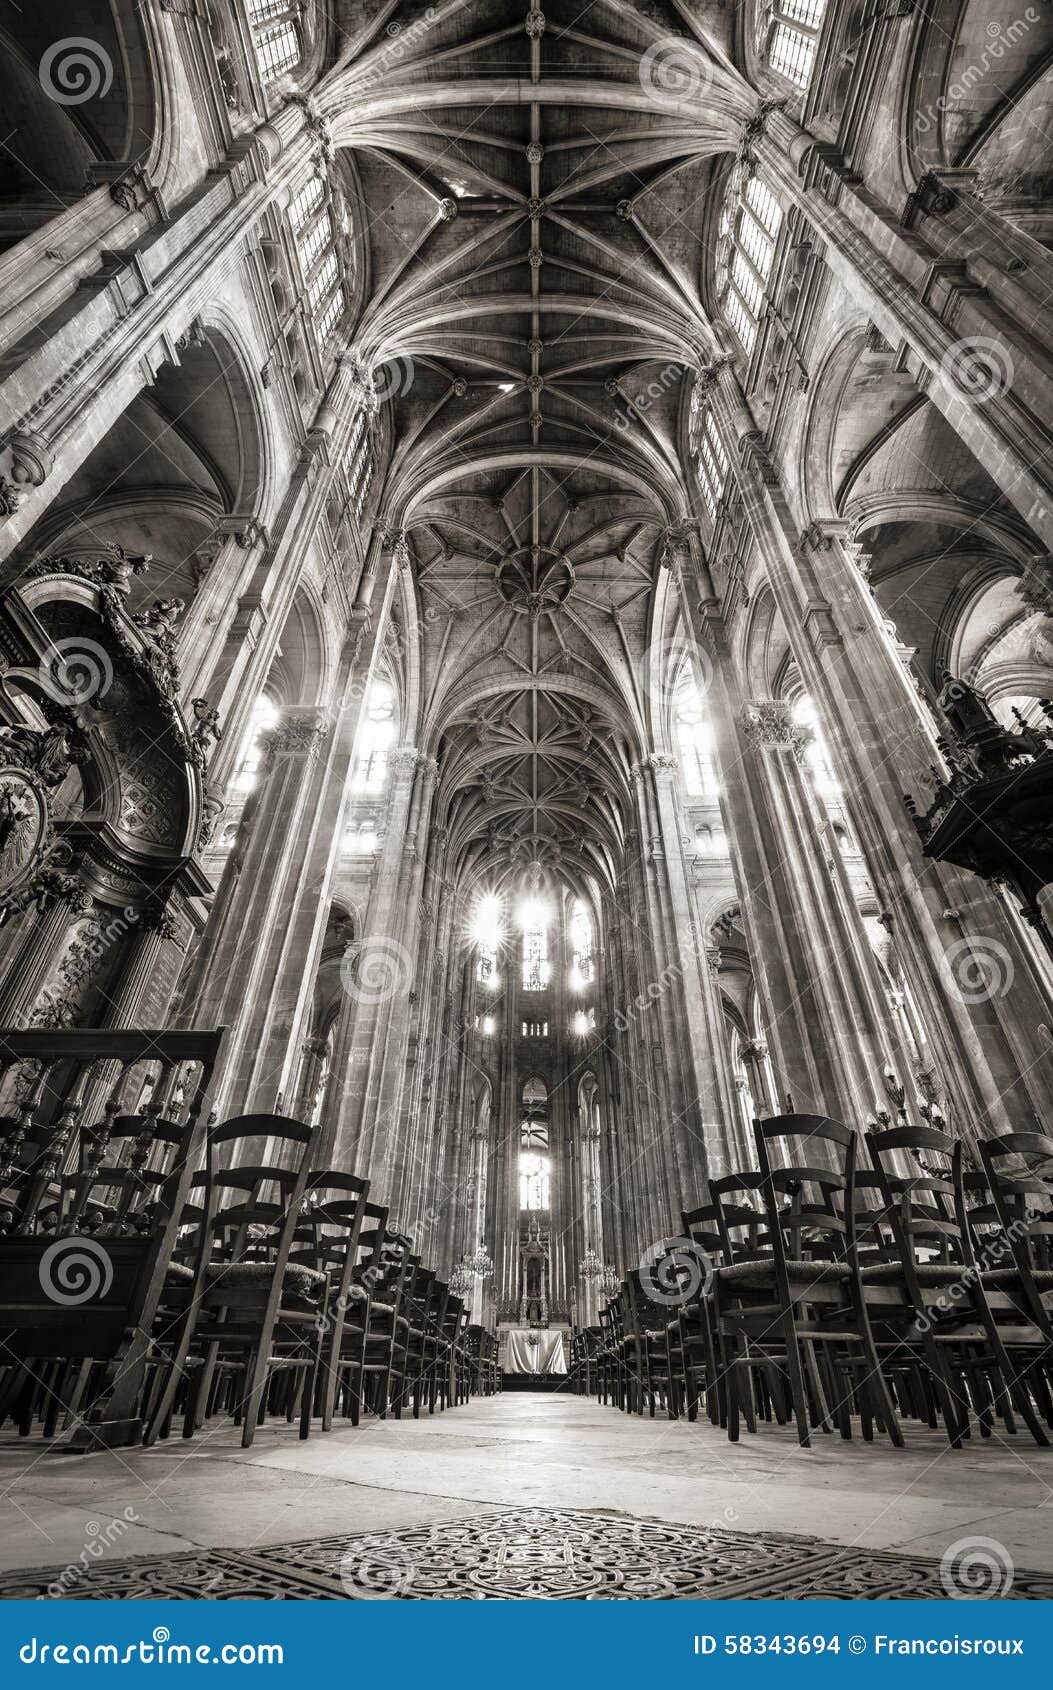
590,1267
480,1264
609,1280
461,1279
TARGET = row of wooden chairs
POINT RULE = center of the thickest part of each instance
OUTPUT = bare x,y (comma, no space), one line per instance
133,1290
807,1289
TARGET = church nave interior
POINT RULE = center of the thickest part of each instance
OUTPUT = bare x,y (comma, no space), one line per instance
526,745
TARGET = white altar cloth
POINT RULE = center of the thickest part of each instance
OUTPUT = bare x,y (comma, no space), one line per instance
548,1355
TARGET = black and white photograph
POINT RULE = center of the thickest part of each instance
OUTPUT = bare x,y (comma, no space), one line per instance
526,815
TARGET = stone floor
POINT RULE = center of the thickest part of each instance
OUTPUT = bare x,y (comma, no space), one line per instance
496,1471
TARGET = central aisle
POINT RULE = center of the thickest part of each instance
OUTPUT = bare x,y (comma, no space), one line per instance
517,1451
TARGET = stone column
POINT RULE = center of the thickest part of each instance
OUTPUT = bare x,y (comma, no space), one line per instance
711,1132
369,1054
234,973
827,933
882,741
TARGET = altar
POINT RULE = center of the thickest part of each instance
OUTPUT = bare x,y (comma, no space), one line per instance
548,1355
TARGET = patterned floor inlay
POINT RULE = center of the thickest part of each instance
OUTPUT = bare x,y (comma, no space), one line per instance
547,1554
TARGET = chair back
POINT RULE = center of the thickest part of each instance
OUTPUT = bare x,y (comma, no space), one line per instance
741,1220
1022,1196
256,1207
809,1200
927,1211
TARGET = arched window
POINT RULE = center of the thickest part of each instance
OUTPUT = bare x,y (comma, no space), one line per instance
276,35
535,948
583,961
486,935
535,1181
793,38
313,215
265,716
694,738
711,460
375,736
749,228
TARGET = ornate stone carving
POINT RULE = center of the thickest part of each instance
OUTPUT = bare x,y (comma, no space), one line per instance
293,740
753,450
768,724
211,812
1035,585
11,496
206,731
752,130
112,572
535,24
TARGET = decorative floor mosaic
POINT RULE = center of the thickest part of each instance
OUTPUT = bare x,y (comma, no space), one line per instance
546,1554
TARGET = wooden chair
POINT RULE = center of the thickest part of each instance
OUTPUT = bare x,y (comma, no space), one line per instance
691,1341
1022,1202
258,1312
644,1358
610,1384
374,1344
932,1302
81,1298
802,1306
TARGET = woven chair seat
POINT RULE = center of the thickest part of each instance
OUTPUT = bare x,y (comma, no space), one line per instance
929,1274
762,1274
298,1280
1005,1278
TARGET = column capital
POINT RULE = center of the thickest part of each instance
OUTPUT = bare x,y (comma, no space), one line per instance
299,736
755,1052
768,724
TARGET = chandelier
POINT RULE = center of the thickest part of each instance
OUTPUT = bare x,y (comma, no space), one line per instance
591,1267
609,1281
469,1269
480,1264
